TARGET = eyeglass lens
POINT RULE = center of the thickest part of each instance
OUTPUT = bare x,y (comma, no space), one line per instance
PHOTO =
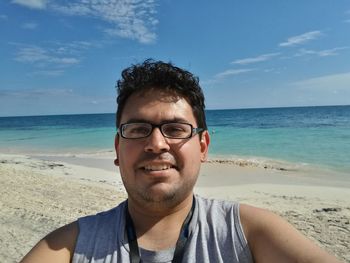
170,130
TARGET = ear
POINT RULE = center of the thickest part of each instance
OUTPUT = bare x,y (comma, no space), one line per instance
204,144
116,147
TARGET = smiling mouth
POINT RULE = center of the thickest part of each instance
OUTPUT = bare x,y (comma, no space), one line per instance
159,167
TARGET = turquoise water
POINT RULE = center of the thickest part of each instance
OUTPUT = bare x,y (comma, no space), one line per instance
317,136
300,136
57,134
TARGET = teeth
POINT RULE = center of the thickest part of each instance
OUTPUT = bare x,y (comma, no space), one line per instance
157,167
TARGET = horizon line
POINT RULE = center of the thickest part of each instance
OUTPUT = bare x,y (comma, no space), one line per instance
211,109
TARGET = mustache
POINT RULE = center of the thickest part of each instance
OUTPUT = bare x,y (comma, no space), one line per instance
149,156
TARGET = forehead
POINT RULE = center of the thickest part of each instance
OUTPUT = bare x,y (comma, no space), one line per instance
157,106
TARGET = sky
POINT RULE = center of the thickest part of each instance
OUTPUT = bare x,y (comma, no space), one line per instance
64,57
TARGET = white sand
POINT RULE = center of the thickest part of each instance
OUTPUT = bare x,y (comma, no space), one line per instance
37,196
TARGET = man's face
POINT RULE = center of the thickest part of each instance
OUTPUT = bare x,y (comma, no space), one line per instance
158,169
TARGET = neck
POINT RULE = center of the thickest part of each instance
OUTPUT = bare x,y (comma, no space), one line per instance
151,224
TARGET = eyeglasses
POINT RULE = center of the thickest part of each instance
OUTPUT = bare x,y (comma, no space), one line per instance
172,130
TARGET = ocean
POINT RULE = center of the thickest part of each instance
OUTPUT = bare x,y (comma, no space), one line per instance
282,138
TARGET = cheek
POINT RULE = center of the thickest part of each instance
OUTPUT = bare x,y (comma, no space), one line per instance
191,154
127,155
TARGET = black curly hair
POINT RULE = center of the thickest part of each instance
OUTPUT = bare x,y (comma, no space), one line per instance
165,76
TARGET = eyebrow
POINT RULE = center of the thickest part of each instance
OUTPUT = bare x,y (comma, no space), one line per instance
176,119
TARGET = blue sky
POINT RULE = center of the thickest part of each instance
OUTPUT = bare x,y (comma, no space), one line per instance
62,57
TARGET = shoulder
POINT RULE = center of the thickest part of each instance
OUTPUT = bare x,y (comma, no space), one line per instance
209,203
273,239
216,210
103,220
58,246
218,215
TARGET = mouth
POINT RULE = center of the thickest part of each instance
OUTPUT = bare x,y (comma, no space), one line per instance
157,167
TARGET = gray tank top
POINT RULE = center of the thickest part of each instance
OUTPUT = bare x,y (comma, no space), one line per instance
216,235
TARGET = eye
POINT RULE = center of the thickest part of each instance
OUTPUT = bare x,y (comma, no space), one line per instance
138,130
177,130
134,130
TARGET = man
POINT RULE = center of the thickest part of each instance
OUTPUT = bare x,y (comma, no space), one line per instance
161,142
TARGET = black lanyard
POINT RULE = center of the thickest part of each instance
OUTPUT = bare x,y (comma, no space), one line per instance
180,244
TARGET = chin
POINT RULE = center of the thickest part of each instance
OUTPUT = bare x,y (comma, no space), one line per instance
158,196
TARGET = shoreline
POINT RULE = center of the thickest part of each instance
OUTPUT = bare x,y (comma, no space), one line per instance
268,163
39,195
276,169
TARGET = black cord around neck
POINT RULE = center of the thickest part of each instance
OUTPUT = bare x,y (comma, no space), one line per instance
180,244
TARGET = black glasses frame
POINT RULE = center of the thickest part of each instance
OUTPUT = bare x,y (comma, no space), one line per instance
194,131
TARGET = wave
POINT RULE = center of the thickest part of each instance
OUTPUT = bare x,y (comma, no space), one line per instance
300,168
79,153
258,162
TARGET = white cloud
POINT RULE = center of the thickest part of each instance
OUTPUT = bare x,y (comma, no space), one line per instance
222,75
40,57
32,54
320,53
30,25
260,58
66,61
138,32
36,92
300,39
49,73
54,58
39,101
72,48
231,72
132,19
333,83
35,4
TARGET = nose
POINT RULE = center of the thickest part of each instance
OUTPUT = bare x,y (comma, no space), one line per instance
156,142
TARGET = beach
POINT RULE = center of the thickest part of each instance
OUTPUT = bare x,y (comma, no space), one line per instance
40,193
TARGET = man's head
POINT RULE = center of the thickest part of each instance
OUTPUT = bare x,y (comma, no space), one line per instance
164,76
158,146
